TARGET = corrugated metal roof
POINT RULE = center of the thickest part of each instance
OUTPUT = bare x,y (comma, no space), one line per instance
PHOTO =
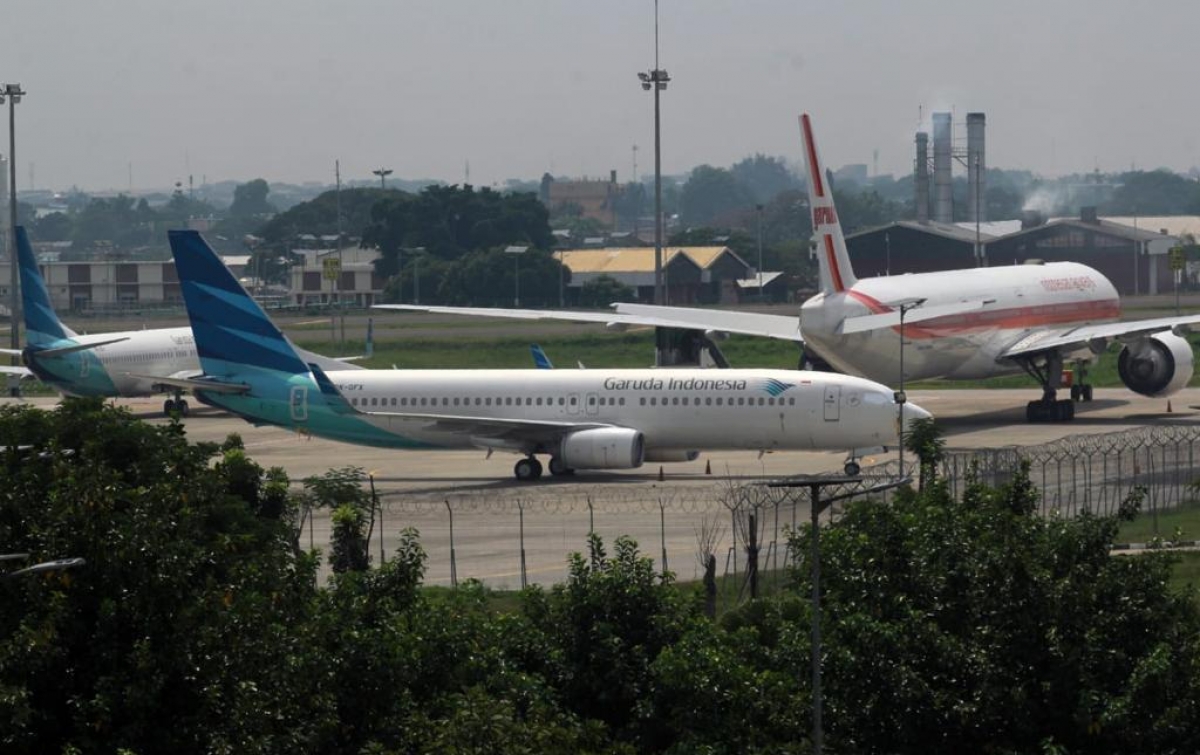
945,230
638,259
1174,225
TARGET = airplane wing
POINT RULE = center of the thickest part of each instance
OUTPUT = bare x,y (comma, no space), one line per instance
782,327
1073,339
891,318
640,315
526,430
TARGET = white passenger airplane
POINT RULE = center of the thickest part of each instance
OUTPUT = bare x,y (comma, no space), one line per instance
581,419
127,363
958,324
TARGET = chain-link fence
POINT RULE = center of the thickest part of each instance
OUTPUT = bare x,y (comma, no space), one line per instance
514,537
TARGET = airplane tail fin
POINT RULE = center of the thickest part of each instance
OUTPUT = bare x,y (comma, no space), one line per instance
42,326
540,360
233,334
832,258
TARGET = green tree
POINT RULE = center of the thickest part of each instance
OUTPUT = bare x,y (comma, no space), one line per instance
602,291
179,634
1155,192
250,200
764,177
711,194
969,628
488,278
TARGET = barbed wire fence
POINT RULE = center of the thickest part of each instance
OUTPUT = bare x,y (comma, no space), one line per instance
516,537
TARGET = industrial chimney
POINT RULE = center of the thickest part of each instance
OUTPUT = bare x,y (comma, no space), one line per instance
921,177
943,186
976,169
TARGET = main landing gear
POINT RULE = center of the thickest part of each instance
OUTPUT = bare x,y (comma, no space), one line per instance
176,405
530,469
1047,370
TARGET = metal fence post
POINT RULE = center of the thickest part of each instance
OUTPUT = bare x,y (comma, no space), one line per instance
453,559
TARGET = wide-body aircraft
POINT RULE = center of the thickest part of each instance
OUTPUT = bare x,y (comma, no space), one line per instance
127,363
965,324
581,419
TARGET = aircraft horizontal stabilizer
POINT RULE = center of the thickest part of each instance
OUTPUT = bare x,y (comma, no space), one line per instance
65,350
196,384
891,319
24,372
333,397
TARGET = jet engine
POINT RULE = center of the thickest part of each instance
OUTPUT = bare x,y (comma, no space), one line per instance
671,455
1157,365
603,448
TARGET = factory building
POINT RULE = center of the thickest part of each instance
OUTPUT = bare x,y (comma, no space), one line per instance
692,274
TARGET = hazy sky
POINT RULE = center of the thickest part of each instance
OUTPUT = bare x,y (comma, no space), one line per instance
279,89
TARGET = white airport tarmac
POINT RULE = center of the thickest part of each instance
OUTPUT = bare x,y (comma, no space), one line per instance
434,490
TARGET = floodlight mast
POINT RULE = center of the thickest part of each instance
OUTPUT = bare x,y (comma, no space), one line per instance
13,93
383,173
657,80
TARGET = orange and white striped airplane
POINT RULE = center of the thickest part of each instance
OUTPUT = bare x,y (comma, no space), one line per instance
958,324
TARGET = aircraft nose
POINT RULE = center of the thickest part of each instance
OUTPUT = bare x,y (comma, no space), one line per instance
912,412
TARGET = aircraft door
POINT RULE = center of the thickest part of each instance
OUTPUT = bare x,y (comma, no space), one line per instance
593,403
833,403
299,403
573,403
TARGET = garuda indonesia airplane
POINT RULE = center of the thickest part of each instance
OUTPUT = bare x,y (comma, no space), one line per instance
965,324
580,419
127,363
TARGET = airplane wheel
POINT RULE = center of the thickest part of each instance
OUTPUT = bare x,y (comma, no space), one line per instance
168,406
183,407
558,469
527,470
1077,393
852,469
1087,393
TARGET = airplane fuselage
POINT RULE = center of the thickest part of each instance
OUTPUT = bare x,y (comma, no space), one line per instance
673,409
1021,300
124,368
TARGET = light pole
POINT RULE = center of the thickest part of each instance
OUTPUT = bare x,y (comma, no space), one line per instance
562,293
383,173
759,208
657,80
13,93
516,252
901,396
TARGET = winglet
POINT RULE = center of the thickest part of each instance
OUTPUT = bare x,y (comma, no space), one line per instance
232,332
833,259
42,326
333,397
540,360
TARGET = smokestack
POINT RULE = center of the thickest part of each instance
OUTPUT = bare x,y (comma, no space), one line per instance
943,187
976,168
921,177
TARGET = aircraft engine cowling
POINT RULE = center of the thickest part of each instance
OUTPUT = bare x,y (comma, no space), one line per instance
603,448
671,455
1157,365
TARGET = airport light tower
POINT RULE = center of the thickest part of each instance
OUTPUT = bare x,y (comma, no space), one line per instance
383,173
13,94
657,80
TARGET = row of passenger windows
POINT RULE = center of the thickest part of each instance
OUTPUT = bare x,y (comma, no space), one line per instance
560,401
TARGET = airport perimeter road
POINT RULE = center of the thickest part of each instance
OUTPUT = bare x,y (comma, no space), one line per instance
421,488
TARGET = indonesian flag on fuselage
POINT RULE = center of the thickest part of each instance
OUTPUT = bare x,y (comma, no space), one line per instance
832,258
